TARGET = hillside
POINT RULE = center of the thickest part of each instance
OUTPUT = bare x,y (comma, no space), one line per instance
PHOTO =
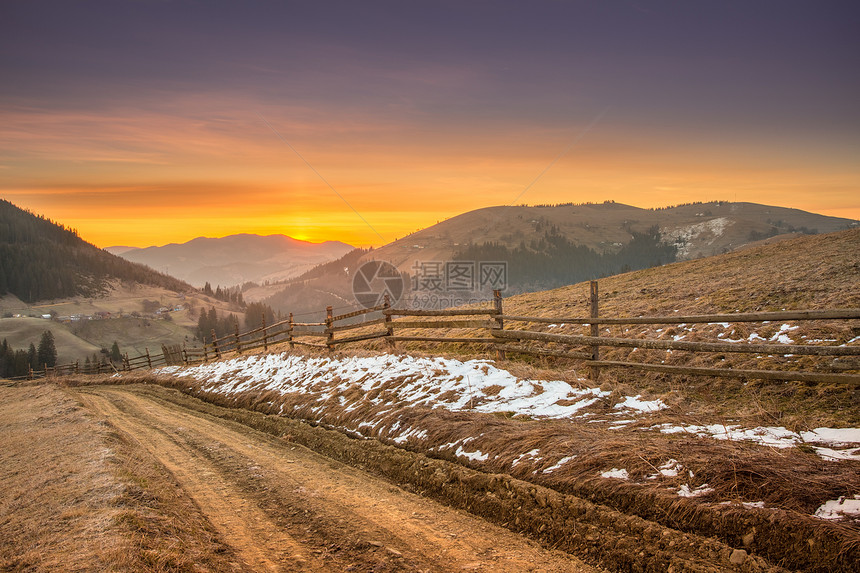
41,260
236,259
697,230
548,247
327,284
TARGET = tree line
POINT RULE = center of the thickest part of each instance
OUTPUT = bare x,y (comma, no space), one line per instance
19,362
227,323
552,260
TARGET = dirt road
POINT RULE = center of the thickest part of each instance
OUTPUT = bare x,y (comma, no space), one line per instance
283,507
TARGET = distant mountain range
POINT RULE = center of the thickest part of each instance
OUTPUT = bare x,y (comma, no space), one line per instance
235,259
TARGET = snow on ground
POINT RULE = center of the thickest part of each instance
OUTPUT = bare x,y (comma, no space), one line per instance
615,473
779,437
476,385
685,490
636,403
839,508
558,464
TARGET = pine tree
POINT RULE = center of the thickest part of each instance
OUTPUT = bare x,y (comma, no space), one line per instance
47,353
115,354
32,356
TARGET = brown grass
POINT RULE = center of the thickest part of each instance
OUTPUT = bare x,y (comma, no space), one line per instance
79,496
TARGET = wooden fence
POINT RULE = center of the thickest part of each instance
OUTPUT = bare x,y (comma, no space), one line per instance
487,327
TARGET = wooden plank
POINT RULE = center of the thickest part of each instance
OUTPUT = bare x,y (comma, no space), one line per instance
308,324
357,313
255,331
845,313
732,373
740,347
359,337
311,344
309,333
259,344
443,312
357,325
443,324
541,352
440,339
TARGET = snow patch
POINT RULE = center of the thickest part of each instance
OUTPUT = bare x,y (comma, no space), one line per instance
636,403
839,508
685,491
558,464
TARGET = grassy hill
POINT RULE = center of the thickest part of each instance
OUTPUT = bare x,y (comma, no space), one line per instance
699,229
21,332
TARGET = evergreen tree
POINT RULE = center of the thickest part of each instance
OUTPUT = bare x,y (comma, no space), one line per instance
5,359
254,313
47,353
22,363
32,357
115,354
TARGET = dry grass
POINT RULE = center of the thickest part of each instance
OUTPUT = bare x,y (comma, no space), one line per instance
79,496
57,506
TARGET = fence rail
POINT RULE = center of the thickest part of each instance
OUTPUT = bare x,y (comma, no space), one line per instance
487,326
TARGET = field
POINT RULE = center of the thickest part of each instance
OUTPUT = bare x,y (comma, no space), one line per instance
20,332
78,340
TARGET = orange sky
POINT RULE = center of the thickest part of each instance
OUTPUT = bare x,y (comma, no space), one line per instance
147,126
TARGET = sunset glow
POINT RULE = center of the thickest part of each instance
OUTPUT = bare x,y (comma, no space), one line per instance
143,124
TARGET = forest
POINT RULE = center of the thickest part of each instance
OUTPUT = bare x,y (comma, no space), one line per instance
552,260
41,260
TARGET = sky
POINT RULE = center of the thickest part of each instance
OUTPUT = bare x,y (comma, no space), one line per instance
155,121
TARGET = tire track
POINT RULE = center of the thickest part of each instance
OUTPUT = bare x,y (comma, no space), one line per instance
284,507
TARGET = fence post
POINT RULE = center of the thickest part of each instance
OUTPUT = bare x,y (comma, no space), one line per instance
290,332
215,345
205,354
98,366
30,374
500,323
238,344
265,337
185,353
46,369
126,363
595,329
328,325
148,359
77,367
389,329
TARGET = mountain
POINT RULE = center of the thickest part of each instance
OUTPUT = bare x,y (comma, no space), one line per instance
696,229
236,259
42,260
549,246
